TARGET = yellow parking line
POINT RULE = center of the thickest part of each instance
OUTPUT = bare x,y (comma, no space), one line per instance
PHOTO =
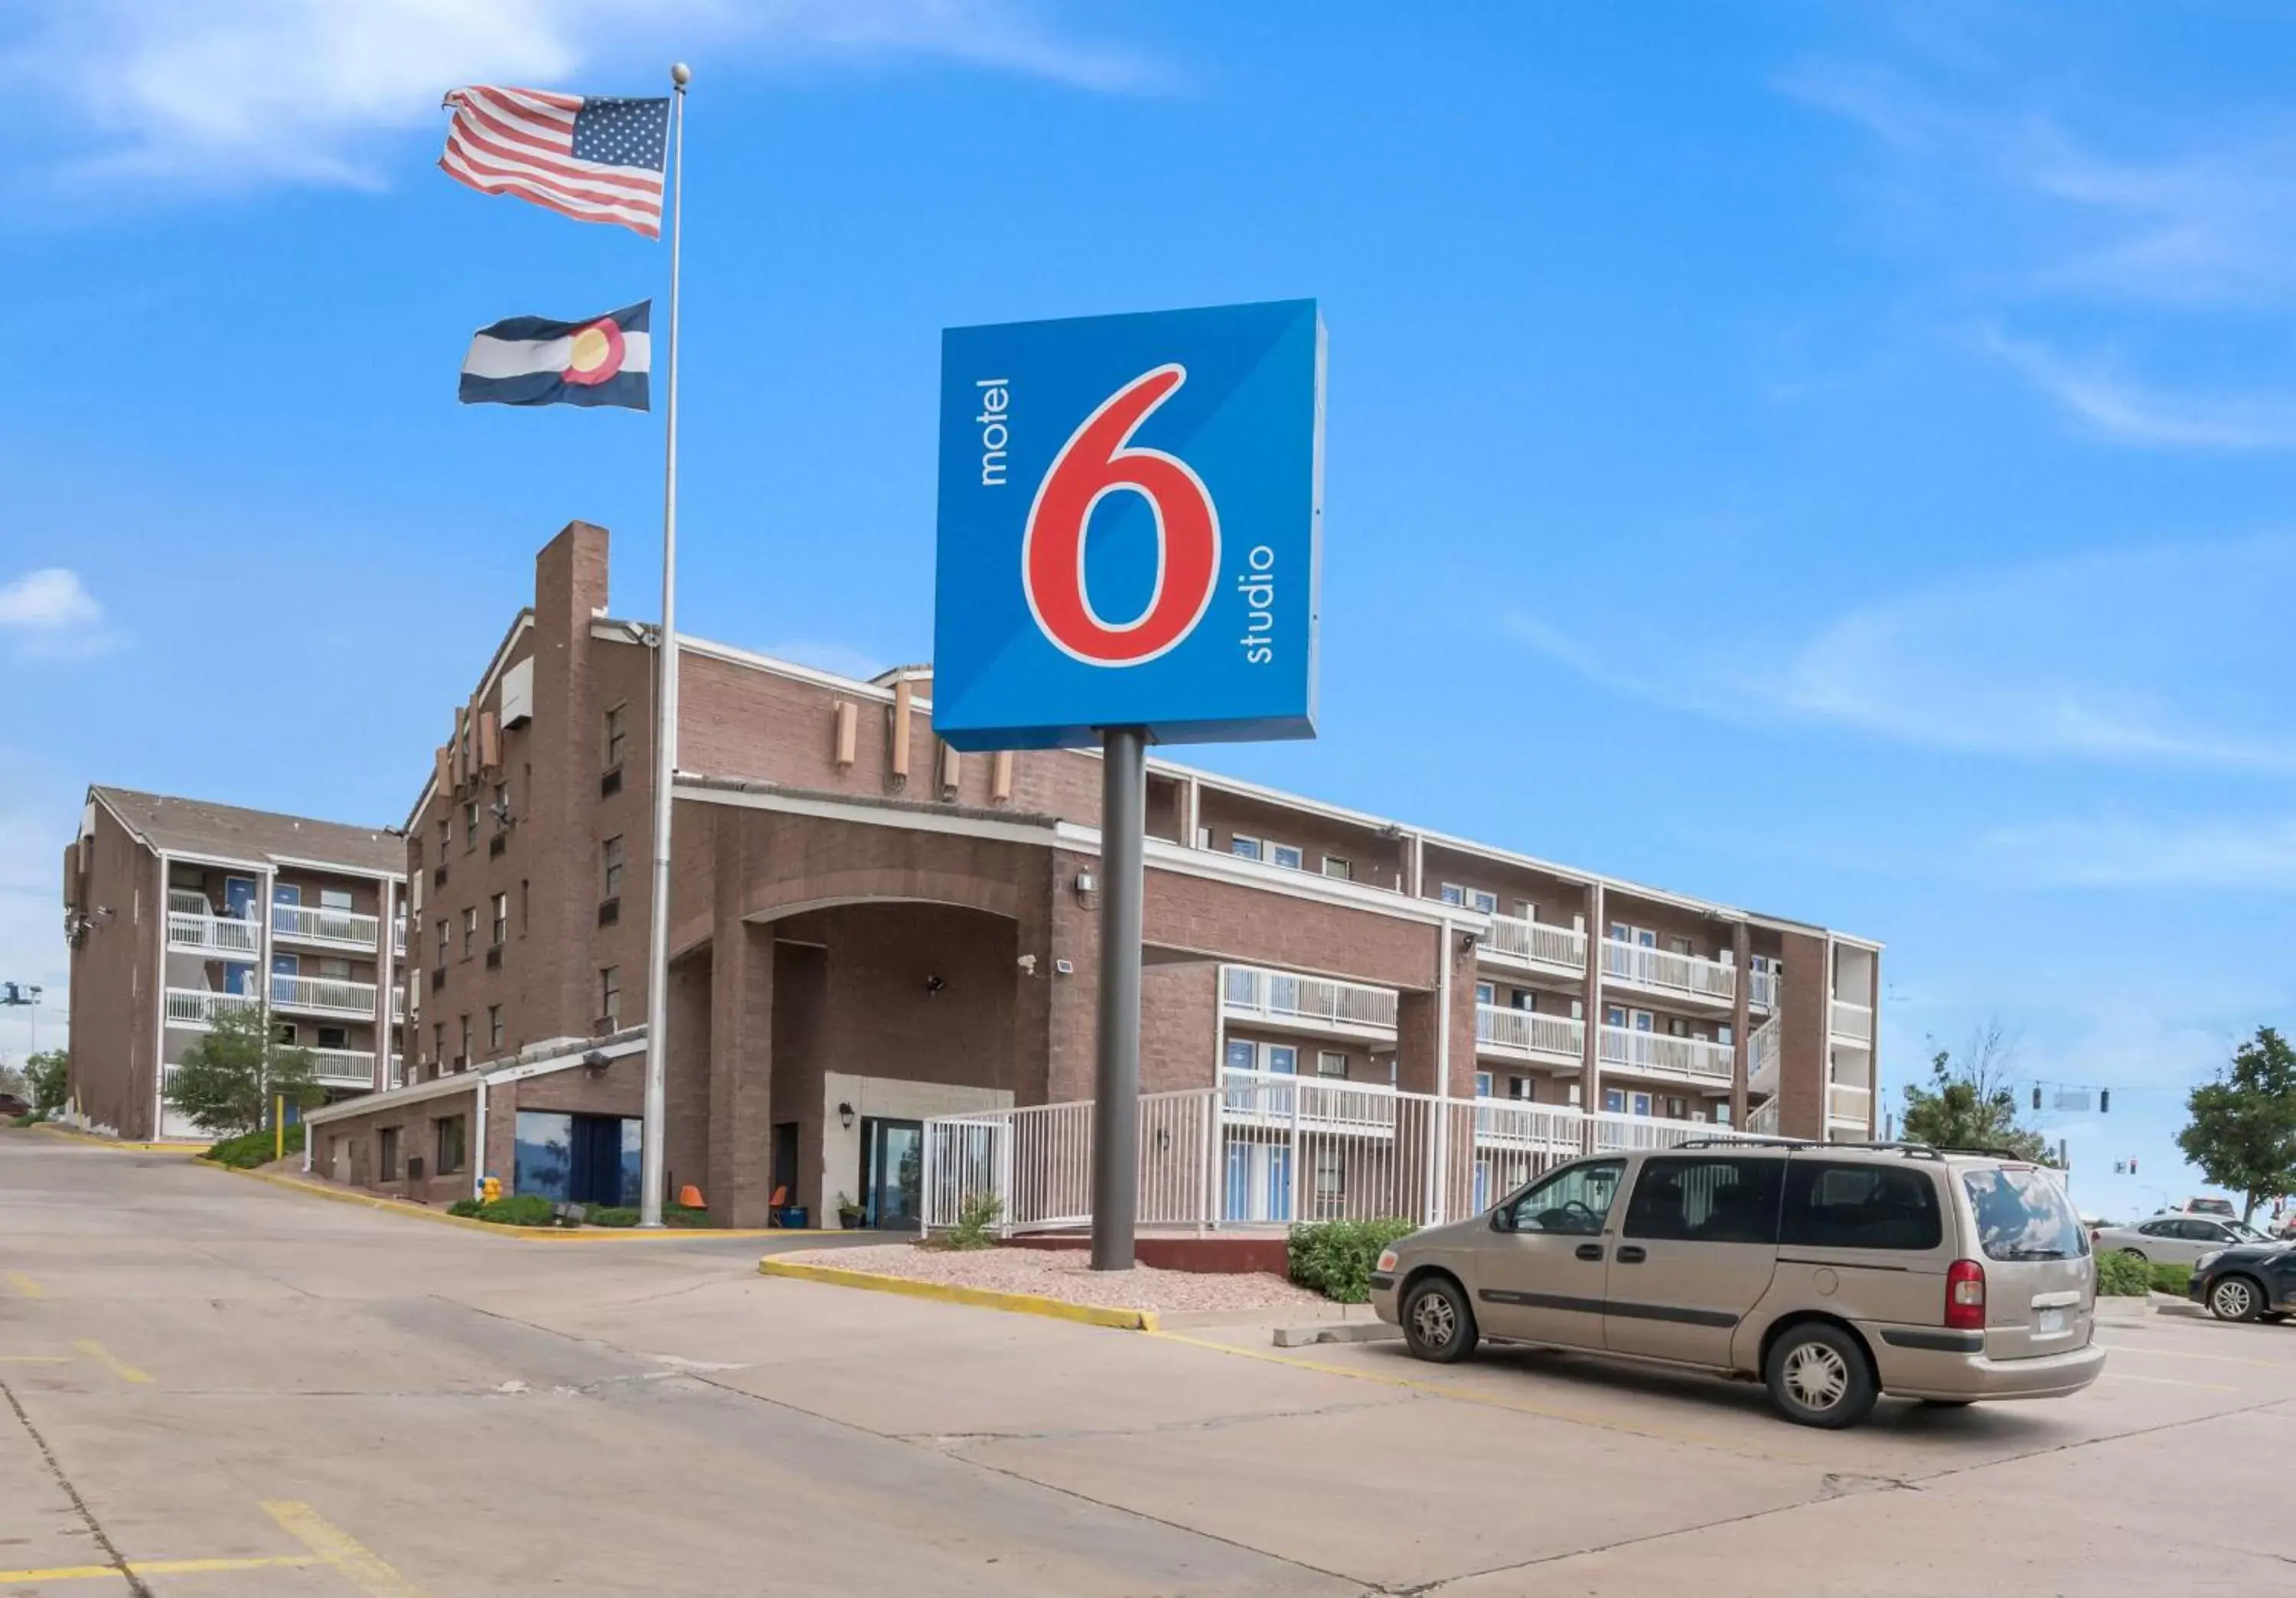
155,1566
26,1288
2206,1387
113,1361
2214,1359
360,1565
1443,1389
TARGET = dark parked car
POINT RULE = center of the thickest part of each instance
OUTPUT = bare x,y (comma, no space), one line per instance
2255,1282
10,1107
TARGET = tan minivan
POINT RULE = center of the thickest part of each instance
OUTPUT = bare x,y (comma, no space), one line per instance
1834,1272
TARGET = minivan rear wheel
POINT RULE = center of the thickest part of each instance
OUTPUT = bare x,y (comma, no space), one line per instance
1437,1323
2236,1298
1818,1376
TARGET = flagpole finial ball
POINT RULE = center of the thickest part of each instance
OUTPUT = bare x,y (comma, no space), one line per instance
681,74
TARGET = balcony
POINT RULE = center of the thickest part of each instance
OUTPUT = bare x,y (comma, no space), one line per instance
398,939
342,1068
1852,1022
1525,1034
323,995
218,937
1534,946
332,929
1662,970
1659,1054
198,1006
1281,999
1762,1059
1848,1106
1763,1120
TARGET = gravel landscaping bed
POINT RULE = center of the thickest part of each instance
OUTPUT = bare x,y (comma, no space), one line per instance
1066,1274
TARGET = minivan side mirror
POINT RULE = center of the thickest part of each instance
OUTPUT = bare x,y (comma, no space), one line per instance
1503,1218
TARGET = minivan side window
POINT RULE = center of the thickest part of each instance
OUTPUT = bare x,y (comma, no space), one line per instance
1831,1206
1707,1198
1575,1200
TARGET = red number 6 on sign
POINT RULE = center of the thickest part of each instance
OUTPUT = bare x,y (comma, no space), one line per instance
1097,459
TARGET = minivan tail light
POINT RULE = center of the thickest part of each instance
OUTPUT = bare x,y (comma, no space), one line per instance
1965,1296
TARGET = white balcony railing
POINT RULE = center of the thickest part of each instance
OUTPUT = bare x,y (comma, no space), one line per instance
1763,1120
399,1004
197,1006
1663,969
309,923
342,1068
398,939
1503,1031
1762,1058
1535,943
329,994
1661,1054
1845,1102
1271,996
397,1078
1854,1021
196,932
183,901
1762,989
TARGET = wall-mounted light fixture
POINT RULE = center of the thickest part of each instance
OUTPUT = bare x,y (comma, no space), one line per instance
1083,883
933,985
844,1116
595,1063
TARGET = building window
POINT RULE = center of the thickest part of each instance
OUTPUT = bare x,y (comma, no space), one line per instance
1281,1059
469,826
1482,1085
335,899
1243,848
1485,993
1453,894
1344,870
334,1037
525,906
443,945
453,1145
1287,856
1331,1062
502,919
494,1028
617,737
445,835
438,1042
501,805
335,970
609,857
1521,1088
470,929
389,1139
609,996
464,1058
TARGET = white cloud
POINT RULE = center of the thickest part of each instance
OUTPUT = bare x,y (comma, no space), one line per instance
2123,409
2171,656
31,919
50,613
2255,856
241,91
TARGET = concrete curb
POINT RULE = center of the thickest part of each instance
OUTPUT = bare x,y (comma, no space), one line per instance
71,1136
2125,1308
1337,1331
980,1298
532,1234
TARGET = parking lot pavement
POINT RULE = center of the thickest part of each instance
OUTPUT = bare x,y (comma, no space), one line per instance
459,1412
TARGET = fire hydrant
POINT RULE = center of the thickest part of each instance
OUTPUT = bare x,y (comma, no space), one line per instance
490,1189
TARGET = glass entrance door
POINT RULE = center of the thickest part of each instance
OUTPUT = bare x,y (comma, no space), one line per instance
892,1173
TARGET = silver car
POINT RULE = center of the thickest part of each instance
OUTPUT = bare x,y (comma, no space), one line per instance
2176,1239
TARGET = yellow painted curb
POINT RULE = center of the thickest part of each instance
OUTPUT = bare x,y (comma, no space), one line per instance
983,1298
533,1234
73,1135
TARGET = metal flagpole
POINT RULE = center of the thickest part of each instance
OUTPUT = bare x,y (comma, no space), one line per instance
1116,1079
665,727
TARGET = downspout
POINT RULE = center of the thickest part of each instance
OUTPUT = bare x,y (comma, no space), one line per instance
478,1159
1439,1205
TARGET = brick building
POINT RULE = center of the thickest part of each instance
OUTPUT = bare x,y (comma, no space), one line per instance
175,909
868,930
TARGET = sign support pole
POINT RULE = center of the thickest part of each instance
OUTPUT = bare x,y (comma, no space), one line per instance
650,1172
1116,1086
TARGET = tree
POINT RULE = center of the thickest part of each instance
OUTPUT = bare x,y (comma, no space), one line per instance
2242,1131
1969,1102
226,1083
50,1074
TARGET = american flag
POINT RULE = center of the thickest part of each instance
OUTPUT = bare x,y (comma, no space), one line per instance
593,159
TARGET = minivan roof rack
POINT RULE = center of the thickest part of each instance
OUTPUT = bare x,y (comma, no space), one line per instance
1792,1145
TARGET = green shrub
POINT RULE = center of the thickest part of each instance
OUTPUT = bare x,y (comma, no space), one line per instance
610,1215
31,1119
1335,1257
468,1208
252,1149
2176,1279
976,1223
2122,1276
523,1209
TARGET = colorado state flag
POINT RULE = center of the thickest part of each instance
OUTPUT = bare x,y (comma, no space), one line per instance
527,360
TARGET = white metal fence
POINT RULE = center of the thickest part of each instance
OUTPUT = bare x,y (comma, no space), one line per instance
1269,1148
1278,997
1536,941
316,925
213,934
1663,967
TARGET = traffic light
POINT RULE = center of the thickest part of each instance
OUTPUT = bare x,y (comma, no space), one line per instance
2103,1100
2037,1095
2132,1167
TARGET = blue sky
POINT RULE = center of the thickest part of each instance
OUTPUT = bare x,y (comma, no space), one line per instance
1834,459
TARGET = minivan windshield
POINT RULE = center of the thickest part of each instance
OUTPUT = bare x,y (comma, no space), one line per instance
2022,1214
